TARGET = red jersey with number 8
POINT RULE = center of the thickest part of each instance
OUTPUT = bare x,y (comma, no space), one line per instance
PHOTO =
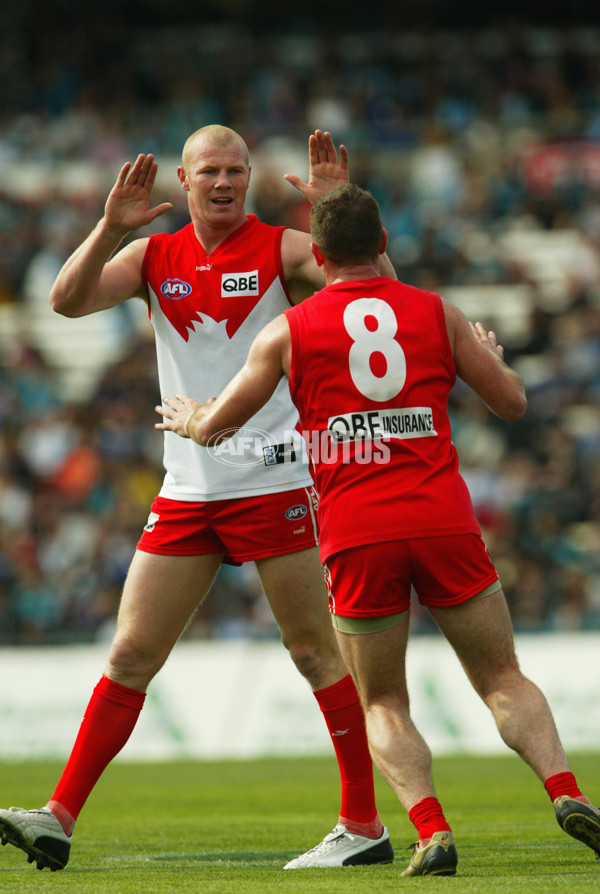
371,371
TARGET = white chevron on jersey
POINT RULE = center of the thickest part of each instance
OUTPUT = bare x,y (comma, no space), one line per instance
202,340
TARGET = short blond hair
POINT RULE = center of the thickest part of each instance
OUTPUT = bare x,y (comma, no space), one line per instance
216,135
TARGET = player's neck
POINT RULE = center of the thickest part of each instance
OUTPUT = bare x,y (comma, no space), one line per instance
210,236
350,273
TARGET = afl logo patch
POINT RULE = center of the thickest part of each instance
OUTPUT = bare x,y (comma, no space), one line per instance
175,289
296,512
152,519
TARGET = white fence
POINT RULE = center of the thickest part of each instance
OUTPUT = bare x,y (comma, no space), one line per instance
243,699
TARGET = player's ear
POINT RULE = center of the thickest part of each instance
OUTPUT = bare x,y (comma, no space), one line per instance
384,242
183,178
317,253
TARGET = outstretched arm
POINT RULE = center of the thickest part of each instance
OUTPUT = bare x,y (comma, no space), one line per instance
480,364
89,281
246,393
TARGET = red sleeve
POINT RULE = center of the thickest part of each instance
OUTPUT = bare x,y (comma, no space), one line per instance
447,353
279,262
293,319
146,263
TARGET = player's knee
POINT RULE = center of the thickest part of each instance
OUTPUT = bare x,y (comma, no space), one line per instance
129,660
313,659
306,658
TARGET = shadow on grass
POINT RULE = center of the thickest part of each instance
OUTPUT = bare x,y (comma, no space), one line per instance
267,858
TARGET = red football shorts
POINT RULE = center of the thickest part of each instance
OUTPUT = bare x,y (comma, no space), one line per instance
242,530
375,580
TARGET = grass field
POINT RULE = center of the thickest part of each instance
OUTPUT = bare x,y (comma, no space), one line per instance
230,827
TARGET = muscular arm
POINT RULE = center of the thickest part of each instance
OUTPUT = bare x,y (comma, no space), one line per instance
479,364
90,280
249,390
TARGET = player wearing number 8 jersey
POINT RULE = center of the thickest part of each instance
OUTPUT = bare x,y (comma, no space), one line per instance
363,328
367,357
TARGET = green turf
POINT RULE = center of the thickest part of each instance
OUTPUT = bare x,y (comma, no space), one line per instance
230,827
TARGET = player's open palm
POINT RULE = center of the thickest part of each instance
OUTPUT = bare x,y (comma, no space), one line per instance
326,172
128,205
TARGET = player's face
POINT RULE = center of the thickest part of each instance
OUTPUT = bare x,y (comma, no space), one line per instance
217,179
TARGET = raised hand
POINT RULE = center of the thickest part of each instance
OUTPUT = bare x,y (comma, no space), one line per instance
326,171
128,205
487,339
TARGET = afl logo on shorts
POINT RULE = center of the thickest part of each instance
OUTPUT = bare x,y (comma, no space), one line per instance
152,519
175,289
296,512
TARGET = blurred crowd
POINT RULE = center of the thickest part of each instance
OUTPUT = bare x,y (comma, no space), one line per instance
465,138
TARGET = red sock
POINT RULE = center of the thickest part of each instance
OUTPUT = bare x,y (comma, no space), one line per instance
106,726
428,817
562,784
346,724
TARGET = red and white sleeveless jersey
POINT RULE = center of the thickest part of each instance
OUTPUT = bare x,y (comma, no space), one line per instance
206,312
371,370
